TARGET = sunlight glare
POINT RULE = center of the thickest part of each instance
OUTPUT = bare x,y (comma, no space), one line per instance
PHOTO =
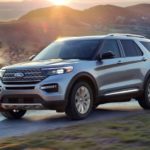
60,2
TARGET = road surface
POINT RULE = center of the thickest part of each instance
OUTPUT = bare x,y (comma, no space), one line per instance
35,121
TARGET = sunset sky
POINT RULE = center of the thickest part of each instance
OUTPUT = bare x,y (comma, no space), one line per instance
87,3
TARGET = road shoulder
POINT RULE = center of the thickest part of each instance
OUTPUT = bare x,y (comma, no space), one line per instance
118,133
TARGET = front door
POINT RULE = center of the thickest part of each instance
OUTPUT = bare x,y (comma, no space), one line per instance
111,74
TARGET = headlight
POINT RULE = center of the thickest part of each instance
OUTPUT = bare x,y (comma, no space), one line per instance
2,73
57,71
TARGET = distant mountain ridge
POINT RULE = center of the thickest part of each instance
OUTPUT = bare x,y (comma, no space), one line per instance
14,10
138,14
143,10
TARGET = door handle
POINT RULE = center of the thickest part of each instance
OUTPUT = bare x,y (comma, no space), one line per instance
144,59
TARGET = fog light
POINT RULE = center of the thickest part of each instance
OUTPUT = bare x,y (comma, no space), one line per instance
50,88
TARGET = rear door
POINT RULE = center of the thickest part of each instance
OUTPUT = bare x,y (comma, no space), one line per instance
133,62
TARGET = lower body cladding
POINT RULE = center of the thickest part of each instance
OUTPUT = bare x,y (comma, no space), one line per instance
45,95
8,106
29,101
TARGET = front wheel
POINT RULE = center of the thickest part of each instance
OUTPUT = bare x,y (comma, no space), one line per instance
13,114
145,101
80,101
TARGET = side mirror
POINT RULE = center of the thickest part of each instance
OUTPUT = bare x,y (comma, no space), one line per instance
107,55
31,57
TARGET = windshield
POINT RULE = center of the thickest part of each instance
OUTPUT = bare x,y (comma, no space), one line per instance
71,49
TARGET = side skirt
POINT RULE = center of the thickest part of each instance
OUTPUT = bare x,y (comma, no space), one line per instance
122,92
119,96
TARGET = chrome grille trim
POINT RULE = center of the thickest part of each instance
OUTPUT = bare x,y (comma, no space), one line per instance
30,76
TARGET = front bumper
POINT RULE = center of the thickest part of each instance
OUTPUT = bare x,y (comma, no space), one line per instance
9,106
33,97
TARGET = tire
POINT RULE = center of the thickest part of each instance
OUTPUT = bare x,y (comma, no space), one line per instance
80,101
145,101
13,114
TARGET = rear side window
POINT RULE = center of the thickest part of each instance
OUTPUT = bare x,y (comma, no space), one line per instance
131,49
110,45
146,45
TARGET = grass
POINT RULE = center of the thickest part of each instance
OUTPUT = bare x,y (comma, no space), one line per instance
120,134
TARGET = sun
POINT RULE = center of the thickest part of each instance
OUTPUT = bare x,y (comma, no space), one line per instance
60,2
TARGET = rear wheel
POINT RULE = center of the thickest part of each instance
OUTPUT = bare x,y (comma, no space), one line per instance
145,101
80,101
13,114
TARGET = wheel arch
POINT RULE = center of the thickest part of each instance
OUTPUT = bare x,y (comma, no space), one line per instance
147,77
84,76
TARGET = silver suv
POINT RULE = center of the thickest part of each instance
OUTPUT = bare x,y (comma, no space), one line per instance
75,75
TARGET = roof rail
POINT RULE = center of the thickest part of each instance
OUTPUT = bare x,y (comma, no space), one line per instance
127,35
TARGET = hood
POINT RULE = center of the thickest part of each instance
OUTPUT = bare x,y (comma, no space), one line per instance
42,64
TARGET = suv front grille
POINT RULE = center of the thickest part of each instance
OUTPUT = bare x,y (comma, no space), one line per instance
29,76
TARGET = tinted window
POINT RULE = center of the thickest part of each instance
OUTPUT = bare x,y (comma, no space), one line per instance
69,49
110,45
146,45
131,49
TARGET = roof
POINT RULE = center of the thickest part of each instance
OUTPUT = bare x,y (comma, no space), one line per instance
107,36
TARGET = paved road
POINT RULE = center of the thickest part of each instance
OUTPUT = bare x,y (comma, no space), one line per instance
35,121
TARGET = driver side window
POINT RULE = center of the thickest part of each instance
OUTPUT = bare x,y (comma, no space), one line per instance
110,45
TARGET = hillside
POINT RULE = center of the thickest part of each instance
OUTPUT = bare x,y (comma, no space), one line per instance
52,14
106,14
11,10
141,9
101,14
33,31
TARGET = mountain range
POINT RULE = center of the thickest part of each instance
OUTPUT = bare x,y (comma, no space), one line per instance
13,10
101,14
34,30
